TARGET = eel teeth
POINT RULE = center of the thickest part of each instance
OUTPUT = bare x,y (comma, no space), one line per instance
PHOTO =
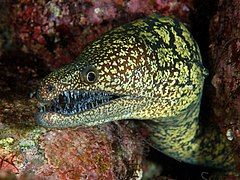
73,102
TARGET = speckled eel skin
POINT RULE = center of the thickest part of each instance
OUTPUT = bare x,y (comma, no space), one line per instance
149,70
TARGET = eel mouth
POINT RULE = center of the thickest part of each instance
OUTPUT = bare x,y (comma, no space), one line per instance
75,102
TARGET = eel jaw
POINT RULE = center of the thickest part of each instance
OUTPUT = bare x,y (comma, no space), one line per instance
69,103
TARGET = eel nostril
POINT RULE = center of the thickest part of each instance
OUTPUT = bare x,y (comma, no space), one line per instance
50,88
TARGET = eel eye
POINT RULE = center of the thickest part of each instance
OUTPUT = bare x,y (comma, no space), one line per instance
89,75
50,88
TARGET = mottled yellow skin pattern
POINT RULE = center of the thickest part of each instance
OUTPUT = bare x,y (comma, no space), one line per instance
157,65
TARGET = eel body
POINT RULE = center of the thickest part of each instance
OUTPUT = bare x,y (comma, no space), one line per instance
149,70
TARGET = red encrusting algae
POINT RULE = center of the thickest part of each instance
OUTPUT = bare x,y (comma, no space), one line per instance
57,31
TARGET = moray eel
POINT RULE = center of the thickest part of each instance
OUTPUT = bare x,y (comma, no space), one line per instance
149,70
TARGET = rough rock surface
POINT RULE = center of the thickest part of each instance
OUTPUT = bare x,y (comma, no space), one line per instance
225,53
